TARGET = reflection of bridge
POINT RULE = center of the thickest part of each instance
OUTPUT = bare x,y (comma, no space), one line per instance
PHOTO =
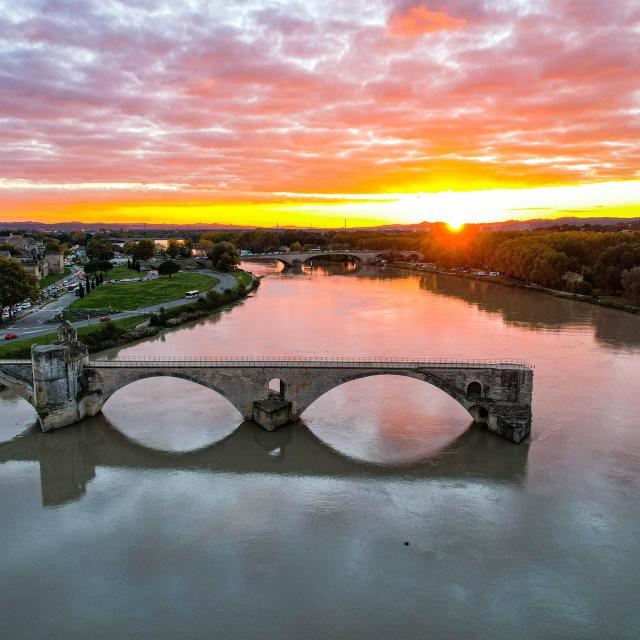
298,258
64,385
68,458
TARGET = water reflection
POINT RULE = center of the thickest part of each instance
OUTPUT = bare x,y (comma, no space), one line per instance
174,415
525,308
68,458
263,534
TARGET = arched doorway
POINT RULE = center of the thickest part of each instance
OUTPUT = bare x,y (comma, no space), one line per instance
276,388
474,390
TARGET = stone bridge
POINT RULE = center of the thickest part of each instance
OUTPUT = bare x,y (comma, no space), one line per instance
65,385
298,258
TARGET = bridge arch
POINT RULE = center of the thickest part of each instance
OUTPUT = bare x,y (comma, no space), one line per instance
346,255
323,386
18,387
108,382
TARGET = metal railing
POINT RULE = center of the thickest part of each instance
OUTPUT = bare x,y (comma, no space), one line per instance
309,362
15,361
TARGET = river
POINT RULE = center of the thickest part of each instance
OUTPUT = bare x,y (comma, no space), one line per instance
385,514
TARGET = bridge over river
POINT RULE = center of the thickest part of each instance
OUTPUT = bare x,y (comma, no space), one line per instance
298,258
65,385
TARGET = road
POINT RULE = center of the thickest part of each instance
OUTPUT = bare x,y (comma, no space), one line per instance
33,324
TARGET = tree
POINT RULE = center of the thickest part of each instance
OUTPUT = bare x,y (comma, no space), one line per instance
100,248
16,283
129,248
168,268
186,248
224,256
612,262
204,245
14,251
173,248
259,241
144,250
79,237
631,283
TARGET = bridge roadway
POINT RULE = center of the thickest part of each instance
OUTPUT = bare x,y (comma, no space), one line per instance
65,385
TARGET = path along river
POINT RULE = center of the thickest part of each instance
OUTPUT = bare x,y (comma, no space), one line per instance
166,518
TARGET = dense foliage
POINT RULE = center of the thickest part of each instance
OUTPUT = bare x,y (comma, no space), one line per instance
224,256
543,258
168,268
16,283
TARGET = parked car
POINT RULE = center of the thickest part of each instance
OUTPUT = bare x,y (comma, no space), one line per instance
104,318
10,336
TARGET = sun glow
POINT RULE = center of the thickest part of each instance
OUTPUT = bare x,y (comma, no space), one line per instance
126,204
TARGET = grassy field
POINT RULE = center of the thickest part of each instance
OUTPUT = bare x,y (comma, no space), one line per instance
53,278
133,295
21,348
122,273
242,276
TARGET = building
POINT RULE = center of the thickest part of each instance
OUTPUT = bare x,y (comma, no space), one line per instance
55,261
33,256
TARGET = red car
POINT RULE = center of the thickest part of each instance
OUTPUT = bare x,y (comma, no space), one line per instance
104,318
10,336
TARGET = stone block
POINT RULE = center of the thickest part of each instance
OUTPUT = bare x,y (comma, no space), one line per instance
272,413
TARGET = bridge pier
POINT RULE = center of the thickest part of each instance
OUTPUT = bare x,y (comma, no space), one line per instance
58,379
272,413
510,422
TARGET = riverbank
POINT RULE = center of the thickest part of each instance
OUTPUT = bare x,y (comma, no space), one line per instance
204,306
94,336
122,331
610,302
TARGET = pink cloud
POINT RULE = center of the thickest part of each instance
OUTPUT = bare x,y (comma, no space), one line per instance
418,20
319,99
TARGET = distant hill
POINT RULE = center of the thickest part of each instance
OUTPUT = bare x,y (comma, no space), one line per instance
546,223
507,225
116,226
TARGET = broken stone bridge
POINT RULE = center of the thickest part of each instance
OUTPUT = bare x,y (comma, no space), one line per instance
65,385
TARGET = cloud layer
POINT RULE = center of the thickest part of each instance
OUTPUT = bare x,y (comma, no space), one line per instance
234,101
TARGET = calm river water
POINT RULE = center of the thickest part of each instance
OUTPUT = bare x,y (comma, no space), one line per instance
166,517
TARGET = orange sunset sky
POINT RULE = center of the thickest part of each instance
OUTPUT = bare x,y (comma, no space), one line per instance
265,112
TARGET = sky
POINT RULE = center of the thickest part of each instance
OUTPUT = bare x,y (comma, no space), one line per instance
355,112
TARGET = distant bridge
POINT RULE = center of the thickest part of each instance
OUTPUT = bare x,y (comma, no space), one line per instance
298,258
65,385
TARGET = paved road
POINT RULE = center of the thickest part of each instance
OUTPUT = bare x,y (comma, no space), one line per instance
34,323
36,316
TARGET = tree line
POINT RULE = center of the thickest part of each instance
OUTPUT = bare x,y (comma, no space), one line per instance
607,263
